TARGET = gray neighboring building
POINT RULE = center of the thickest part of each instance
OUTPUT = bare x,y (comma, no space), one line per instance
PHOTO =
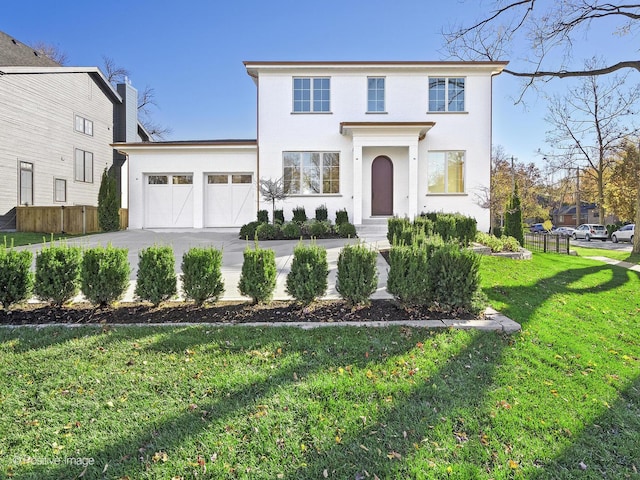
56,127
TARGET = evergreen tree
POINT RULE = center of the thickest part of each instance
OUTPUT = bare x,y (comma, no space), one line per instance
108,204
513,217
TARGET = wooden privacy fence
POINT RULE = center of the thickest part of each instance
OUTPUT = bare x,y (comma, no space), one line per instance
74,219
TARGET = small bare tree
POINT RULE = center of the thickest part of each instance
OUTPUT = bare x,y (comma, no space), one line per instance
271,191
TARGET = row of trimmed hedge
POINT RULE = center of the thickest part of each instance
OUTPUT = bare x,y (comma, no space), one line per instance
300,215
102,274
448,226
294,230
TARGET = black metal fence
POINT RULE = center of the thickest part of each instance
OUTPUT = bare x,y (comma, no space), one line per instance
544,242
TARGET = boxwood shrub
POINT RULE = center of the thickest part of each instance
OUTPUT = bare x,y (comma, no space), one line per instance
104,277
248,230
307,279
357,277
16,279
156,280
346,230
342,216
299,215
278,215
258,276
263,216
57,278
202,274
291,230
267,231
321,213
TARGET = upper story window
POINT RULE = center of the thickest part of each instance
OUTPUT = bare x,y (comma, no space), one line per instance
446,94
445,172
84,125
375,94
311,94
311,173
84,166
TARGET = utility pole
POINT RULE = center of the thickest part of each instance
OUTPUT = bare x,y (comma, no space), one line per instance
577,197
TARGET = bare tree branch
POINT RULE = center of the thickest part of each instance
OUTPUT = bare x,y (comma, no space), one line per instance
114,73
51,51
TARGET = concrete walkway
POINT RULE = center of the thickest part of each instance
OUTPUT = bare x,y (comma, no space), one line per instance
619,263
227,240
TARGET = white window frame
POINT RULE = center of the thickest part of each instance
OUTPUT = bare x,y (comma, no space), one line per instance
303,187
80,175
431,156
376,93
56,184
314,93
25,167
83,125
444,104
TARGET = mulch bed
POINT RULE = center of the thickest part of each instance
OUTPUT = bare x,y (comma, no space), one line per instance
222,312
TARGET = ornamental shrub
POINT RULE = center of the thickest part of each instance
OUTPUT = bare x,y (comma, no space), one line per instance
510,244
299,215
291,230
321,213
395,227
104,277
156,281
16,279
455,279
248,230
278,215
317,229
267,231
263,216
465,229
445,226
307,279
202,274
57,278
108,203
342,216
346,230
491,241
258,276
513,217
357,277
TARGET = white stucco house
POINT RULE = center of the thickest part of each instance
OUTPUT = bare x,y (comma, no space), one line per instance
375,138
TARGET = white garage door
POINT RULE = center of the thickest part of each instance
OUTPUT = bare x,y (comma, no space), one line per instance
169,201
229,199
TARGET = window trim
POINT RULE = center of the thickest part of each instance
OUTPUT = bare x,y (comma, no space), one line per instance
447,102
55,189
87,125
84,166
312,93
384,95
320,177
446,173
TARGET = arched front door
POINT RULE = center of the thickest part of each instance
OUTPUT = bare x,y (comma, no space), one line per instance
382,186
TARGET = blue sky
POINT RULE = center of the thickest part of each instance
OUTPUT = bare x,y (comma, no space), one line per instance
191,52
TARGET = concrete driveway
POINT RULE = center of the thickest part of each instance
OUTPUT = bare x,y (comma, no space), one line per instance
232,253
606,245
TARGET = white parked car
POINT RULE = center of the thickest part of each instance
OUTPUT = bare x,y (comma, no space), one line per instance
625,234
590,231
563,231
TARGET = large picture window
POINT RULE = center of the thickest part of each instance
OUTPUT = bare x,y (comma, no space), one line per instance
446,172
311,95
311,173
84,166
375,94
446,94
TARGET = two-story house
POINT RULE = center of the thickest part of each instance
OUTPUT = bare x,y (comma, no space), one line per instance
57,125
375,138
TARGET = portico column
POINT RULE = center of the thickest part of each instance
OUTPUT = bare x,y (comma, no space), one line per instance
413,179
357,183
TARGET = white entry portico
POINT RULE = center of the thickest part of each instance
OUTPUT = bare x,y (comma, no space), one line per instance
397,141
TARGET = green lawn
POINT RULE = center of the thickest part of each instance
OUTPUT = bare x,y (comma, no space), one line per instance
559,397
17,239
600,252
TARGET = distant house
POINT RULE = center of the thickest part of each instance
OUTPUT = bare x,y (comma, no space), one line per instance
375,138
57,125
589,213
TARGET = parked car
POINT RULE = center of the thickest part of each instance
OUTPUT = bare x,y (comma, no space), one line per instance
624,234
590,231
538,228
563,231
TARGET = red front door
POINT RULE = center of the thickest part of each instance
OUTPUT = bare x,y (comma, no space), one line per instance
382,186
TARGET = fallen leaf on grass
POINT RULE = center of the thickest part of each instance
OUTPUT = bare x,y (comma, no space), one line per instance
160,456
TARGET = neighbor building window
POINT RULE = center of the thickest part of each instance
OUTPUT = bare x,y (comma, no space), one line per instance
375,94
84,125
26,183
311,173
59,190
445,172
446,94
84,166
311,94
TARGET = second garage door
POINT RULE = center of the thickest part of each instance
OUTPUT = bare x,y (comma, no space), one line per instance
229,199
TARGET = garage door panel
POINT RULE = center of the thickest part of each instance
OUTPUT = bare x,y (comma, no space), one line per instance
182,206
229,199
168,201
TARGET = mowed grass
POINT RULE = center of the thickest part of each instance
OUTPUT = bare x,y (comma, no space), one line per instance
601,252
559,400
17,239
